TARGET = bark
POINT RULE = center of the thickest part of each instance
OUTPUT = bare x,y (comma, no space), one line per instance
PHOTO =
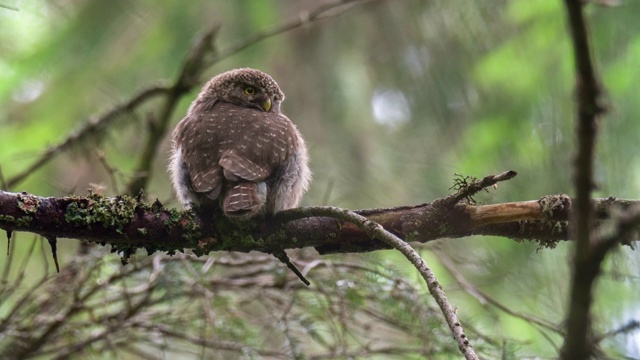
127,223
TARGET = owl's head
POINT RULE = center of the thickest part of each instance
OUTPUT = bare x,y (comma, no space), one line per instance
246,87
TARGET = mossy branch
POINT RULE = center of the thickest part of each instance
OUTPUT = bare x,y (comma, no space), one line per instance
127,223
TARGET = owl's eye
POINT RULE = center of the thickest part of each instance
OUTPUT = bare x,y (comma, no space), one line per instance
249,90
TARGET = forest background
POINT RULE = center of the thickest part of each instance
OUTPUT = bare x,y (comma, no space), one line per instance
393,98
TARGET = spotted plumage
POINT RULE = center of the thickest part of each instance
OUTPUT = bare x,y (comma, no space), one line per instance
237,149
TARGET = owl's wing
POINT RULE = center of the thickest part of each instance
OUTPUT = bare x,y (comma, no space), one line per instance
207,181
243,167
200,151
267,143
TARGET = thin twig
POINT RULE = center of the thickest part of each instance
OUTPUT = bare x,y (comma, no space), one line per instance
324,11
632,325
376,231
281,255
53,242
209,343
94,126
7,264
111,170
476,186
483,298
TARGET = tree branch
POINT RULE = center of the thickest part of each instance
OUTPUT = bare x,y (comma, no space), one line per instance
485,298
323,11
126,222
93,128
589,108
376,231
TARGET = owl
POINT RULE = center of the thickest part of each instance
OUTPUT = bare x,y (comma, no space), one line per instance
237,149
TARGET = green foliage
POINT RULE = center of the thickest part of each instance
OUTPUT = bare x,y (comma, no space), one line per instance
459,88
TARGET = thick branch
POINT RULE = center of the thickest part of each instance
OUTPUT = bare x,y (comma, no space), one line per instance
126,222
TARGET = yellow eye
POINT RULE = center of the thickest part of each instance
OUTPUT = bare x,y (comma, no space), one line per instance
249,90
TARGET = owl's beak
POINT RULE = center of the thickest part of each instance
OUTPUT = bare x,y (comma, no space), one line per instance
266,104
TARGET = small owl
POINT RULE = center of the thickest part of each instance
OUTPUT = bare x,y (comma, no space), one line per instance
236,148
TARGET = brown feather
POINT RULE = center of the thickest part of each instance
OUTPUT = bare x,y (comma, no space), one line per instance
242,167
229,148
242,199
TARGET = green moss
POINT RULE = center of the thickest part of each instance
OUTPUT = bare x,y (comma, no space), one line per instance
7,218
175,217
249,242
23,221
96,209
233,233
185,219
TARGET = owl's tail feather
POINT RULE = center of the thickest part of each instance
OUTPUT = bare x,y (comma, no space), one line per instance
244,200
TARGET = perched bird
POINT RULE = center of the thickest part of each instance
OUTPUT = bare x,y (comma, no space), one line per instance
236,148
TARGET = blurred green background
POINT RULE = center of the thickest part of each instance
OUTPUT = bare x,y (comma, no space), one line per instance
392,97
